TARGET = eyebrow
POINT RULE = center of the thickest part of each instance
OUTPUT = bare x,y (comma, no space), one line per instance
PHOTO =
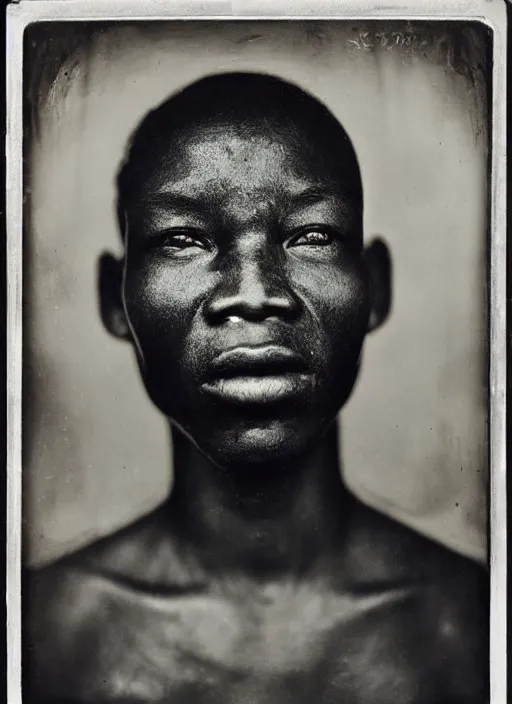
171,199
309,196
317,194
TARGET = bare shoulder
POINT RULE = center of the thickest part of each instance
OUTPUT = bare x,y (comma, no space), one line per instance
145,553
450,604
457,602
69,605
382,548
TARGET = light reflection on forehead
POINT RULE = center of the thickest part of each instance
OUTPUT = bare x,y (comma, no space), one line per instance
233,167
222,159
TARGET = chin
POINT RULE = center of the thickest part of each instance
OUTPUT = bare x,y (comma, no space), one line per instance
263,444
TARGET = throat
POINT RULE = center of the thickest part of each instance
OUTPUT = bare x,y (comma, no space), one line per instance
266,521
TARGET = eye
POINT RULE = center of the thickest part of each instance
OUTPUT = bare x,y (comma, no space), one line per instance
180,241
317,237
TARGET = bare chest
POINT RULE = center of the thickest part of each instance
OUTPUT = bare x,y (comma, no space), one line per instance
305,647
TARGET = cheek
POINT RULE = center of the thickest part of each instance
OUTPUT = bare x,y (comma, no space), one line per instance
160,303
341,305
339,298
348,308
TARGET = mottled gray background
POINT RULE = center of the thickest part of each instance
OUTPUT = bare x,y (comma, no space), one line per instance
413,98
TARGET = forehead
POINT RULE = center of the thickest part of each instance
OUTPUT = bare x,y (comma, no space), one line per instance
230,159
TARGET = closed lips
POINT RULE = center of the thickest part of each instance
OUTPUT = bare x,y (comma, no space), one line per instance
259,375
269,360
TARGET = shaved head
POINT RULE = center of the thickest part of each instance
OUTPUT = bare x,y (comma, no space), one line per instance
251,104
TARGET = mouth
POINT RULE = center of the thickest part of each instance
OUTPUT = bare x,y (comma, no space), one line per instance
258,375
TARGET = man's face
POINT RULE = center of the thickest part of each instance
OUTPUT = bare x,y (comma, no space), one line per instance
245,291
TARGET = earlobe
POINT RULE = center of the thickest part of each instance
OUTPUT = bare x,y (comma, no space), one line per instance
379,268
110,279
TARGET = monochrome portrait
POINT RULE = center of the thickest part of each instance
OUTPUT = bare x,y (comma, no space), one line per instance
256,312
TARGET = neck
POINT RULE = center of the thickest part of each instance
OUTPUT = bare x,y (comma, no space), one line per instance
264,521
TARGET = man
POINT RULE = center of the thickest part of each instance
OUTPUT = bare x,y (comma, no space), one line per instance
246,293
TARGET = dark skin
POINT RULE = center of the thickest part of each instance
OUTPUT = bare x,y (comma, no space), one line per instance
261,580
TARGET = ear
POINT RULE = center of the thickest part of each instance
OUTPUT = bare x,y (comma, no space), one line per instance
379,268
110,281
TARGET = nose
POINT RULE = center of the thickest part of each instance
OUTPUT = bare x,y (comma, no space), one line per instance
254,286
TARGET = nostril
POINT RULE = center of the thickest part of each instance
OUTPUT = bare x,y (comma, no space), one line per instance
223,309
